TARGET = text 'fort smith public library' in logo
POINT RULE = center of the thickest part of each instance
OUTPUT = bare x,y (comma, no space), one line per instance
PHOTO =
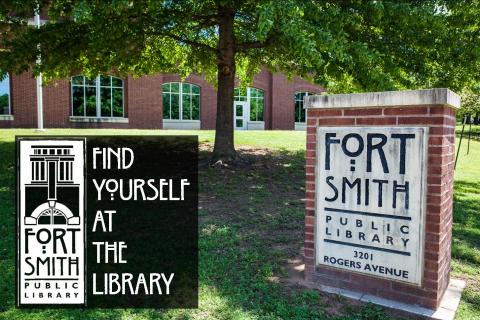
51,222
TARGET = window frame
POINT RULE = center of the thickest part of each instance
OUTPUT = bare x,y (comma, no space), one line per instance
180,94
98,102
9,96
295,100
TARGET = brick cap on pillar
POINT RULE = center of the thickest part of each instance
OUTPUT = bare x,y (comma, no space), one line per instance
439,96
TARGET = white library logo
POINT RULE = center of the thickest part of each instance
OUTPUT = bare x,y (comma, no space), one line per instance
51,222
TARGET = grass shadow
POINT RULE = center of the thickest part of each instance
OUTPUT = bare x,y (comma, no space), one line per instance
466,218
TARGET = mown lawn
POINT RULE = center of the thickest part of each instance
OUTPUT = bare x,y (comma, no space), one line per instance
466,227
251,231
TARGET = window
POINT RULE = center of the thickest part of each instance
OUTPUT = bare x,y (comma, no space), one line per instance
5,96
255,97
100,97
240,94
299,110
181,101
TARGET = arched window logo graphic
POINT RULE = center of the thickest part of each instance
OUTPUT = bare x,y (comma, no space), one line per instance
51,233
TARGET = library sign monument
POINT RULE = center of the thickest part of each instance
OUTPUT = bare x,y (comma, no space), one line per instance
379,196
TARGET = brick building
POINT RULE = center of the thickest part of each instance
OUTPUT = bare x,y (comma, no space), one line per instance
160,101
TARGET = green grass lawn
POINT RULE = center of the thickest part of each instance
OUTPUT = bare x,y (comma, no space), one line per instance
466,226
251,229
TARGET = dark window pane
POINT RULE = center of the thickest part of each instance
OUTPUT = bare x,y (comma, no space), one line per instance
77,80
166,87
239,123
253,110
195,89
166,105
302,114
4,104
256,93
77,101
105,102
117,103
117,82
90,82
185,87
186,106
174,87
91,102
105,81
195,107
298,106
239,110
240,94
175,107
260,107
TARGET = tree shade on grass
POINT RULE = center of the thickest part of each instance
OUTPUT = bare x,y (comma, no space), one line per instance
344,45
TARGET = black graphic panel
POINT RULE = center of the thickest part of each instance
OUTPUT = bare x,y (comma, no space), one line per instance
160,232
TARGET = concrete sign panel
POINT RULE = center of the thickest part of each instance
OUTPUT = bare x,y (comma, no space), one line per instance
370,204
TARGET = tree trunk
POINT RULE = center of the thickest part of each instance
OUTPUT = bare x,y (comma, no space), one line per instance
224,149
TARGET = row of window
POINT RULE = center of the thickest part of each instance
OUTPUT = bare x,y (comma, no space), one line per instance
104,97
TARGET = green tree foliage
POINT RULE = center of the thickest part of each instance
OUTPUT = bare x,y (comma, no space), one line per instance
346,45
470,104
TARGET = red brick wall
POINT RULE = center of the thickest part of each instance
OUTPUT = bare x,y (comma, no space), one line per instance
283,106
23,101
56,105
282,103
440,121
143,102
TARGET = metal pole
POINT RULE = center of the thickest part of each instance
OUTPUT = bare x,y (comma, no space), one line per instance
39,81
469,133
460,143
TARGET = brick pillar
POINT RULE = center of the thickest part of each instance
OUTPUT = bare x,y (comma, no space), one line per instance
24,100
282,103
144,100
435,111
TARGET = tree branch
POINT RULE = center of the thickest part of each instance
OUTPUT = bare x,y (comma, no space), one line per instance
190,42
256,44
204,17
